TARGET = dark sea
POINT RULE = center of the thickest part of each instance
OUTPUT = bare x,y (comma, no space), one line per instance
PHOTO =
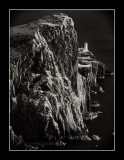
97,28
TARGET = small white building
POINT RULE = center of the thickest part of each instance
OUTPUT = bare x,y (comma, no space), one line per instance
85,47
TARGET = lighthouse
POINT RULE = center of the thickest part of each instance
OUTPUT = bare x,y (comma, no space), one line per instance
85,47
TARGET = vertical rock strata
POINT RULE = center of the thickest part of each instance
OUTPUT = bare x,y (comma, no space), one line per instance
49,84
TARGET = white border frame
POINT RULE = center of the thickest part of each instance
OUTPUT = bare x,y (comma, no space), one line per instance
114,76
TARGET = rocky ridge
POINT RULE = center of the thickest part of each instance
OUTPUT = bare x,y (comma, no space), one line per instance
51,79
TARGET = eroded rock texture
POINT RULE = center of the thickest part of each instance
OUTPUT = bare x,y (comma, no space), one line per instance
48,96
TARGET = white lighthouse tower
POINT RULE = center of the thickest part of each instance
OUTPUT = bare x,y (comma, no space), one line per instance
85,47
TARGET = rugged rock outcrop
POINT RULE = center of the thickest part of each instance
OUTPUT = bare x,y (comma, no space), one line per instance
48,95
17,143
90,68
50,81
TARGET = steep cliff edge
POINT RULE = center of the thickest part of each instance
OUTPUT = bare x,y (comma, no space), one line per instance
50,80
47,94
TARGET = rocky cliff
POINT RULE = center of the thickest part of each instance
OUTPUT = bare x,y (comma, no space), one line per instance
50,80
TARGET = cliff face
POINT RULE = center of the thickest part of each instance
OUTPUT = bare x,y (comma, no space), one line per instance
48,97
90,67
51,80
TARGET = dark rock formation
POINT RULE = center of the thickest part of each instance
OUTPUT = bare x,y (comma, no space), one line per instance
90,68
48,96
92,115
95,104
95,137
17,143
